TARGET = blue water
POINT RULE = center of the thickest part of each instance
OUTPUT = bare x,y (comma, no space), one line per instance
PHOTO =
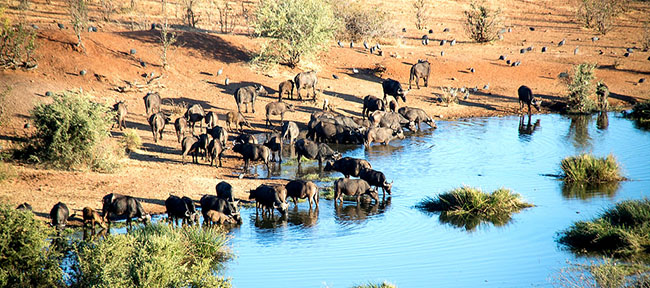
340,247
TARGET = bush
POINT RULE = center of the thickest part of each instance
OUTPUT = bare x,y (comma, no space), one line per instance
468,207
131,140
599,14
361,22
26,257
78,12
640,111
71,133
153,256
620,231
298,28
18,44
581,87
482,23
450,95
588,169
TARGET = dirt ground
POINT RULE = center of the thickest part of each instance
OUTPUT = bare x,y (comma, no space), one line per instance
156,171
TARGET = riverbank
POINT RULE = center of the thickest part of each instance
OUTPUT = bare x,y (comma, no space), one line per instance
156,171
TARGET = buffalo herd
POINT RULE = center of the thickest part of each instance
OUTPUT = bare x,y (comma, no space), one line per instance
381,121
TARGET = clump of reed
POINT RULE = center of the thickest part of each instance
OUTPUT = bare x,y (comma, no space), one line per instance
587,168
472,201
621,231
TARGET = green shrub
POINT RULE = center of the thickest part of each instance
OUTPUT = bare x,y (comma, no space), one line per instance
640,111
581,87
468,207
153,256
361,21
26,257
298,28
587,168
18,44
72,133
482,23
131,140
623,230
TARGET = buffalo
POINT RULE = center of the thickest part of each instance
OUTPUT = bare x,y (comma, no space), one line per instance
300,189
353,187
285,87
59,215
246,138
237,120
213,217
120,109
420,70
417,116
348,166
117,207
190,144
181,208
157,123
248,94
224,191
180,125
90,216
215,151
311,150
371,104
290,131
269,197
195,114
253,152
219,133
305,80
25,206
277,108
152,103
393,88
391,120
377,179
211,119
274,143
526,97
382,135
211,202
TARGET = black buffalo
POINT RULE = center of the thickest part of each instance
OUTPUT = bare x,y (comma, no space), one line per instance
371,104
195,114
353,187
248,94
117,207
313,150
377,179
59,215
526,97
253,152
393,88
417,116
181,208
300,189
348,166
269,197
420,70
152,103
211,202
305,80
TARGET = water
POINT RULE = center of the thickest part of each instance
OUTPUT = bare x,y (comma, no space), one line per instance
340,247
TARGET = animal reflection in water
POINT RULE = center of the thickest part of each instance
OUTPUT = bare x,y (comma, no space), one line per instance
361,211
603,121
528,128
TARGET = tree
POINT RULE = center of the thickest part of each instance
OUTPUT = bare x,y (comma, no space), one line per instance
78,12
421,13
298,27
481,23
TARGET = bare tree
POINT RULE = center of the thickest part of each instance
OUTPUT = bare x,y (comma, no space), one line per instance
421,13
167,39
190,12
227,16
78,12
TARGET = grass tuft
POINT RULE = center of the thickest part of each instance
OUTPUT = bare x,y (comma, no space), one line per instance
587,168
605,273
468,207
622,231
131,140
376,285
